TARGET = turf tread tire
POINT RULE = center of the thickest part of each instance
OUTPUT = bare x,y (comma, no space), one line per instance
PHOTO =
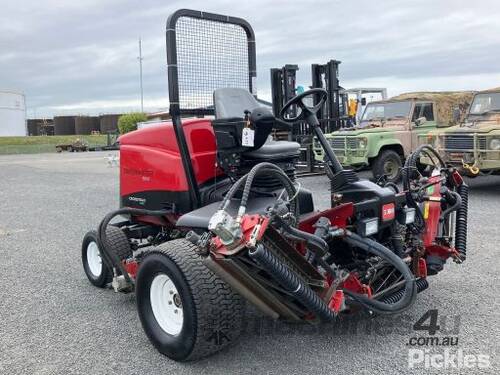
118,242
217,311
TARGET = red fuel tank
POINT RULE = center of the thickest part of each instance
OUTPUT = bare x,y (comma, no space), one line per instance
151,171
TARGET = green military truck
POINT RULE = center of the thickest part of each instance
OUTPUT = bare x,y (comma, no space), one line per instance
474,145
388,131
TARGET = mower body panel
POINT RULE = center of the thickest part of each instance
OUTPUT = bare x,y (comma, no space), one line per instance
151,171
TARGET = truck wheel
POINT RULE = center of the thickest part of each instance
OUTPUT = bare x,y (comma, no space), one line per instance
388,164
186,311
96,270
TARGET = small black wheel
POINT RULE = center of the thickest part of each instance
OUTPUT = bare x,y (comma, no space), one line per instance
96,270
186,311
387,164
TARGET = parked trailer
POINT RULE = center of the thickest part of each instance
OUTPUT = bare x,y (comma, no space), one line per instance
77,146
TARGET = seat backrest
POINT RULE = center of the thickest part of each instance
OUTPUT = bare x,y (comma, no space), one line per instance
231,102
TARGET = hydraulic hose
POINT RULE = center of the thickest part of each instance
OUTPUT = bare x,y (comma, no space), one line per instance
461,223
456,205
291,282
232,191
271,169
421,285
312,240
393,186
248,179
397,239
411,162
409,291
259,168
408,171
109,256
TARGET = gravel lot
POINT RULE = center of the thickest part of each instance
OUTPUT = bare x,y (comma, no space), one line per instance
54,321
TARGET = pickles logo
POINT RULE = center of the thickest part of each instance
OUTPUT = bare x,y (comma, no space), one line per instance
445,355
448,359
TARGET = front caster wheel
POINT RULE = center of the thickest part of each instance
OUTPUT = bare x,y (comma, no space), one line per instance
186,311
96,270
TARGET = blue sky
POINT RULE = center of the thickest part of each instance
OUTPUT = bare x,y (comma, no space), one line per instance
80,57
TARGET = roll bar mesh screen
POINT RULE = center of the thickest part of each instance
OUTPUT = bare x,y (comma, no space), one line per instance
206,52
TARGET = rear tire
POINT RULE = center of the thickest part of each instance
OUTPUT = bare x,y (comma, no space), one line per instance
388,164
96,270
173,277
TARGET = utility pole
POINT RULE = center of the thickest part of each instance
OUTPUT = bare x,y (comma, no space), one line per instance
140,72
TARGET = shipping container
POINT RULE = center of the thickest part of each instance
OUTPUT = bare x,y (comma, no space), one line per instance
64,125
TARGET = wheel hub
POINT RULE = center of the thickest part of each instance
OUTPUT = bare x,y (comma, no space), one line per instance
177,300
390,169
166,304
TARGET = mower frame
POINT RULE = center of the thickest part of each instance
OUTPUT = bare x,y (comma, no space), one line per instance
176,111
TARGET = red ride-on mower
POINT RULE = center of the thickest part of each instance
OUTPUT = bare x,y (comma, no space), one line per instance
215,218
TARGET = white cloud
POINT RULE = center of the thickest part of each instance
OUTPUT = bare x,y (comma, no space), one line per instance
82,56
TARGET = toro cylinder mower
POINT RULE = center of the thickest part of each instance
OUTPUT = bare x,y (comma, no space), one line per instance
214,218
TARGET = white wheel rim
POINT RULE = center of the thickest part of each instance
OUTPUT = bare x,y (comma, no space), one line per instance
166,304
94,259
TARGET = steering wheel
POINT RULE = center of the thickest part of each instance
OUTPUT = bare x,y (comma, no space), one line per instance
304,108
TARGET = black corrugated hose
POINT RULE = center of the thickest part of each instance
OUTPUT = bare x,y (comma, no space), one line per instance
421,285
110,258
291,282
461,222
462,190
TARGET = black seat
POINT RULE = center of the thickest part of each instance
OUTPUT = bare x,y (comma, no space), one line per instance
233,102
275,150
200,217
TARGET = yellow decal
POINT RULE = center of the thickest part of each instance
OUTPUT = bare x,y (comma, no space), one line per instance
426,210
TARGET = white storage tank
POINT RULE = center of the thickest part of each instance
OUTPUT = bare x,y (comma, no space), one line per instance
12,114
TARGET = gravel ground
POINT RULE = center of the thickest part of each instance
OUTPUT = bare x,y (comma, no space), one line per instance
53,321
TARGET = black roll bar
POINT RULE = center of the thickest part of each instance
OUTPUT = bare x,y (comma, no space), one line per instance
173,85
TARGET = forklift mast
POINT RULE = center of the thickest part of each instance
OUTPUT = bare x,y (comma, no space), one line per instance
283,87
326,76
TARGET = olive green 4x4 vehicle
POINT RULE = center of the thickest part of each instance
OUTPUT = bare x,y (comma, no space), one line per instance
389,130
474,145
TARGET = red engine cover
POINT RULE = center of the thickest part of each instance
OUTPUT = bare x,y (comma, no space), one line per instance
151,171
